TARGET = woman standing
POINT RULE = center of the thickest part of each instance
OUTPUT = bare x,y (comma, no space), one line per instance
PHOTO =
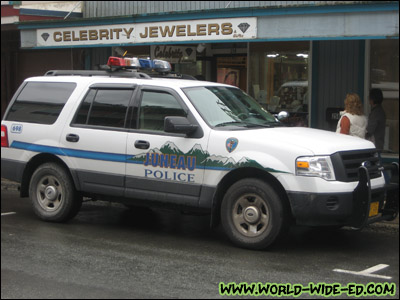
352,121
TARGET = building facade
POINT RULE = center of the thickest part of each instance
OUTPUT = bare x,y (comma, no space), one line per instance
299,56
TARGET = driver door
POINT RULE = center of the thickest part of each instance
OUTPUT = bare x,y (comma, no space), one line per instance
162,166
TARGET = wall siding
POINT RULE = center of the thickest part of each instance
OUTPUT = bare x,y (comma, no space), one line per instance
340,65
123,8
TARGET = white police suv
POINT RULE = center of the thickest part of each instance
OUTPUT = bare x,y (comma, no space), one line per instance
123,135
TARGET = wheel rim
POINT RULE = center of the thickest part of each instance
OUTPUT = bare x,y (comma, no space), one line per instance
50,193
251,215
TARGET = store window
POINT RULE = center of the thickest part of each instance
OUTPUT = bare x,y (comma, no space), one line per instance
132,51
278,78
194,69
232,70
384,74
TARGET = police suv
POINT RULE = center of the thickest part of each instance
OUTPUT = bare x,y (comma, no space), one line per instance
127,136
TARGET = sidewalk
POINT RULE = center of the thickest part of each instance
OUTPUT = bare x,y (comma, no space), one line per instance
13,186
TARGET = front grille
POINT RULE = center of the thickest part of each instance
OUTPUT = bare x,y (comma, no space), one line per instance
346,164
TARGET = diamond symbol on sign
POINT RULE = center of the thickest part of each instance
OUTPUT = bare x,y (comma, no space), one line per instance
243,27
188,51
45,36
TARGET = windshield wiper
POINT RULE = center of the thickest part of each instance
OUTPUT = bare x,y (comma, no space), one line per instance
230,123
274,124
251,125
264,125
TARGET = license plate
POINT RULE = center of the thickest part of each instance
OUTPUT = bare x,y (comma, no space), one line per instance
373,209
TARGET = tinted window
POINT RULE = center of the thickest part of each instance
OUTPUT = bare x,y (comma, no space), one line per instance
155,106
104,108
83,112
40,102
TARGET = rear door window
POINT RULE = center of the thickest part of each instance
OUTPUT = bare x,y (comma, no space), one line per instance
104,108
40,102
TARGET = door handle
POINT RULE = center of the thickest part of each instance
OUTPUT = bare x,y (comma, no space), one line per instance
142,145
73,138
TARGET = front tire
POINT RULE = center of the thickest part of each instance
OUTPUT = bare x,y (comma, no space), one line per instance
53,194
252,214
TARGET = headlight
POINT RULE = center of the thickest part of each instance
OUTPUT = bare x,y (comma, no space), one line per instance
315,166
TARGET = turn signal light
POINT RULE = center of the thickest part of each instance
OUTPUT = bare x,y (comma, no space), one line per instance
303,164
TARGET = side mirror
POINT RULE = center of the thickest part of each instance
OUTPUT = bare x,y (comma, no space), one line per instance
179,125
282,115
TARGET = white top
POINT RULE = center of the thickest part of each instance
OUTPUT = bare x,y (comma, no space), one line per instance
358,124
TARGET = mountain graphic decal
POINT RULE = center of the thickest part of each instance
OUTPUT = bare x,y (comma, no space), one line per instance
170,156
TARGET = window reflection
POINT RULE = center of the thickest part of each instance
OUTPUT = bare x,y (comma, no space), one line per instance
384,74
279,79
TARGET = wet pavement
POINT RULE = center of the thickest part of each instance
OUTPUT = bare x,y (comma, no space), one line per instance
109,251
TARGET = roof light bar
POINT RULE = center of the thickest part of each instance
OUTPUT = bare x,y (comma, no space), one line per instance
157,65
161,65
132,62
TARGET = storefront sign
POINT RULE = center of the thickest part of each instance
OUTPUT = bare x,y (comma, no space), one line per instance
173,54
179,31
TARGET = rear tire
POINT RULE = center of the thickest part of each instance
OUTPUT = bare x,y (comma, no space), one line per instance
53,194
252,214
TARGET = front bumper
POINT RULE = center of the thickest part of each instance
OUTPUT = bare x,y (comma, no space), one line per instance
351,209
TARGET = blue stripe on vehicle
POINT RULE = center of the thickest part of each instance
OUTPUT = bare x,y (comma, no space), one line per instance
71,152
104,156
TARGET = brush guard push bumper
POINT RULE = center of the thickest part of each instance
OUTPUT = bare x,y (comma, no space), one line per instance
368,209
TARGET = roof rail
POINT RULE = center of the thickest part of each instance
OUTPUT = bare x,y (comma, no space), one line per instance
107,73
118,73
172,75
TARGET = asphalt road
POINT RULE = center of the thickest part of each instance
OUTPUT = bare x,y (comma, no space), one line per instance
108,251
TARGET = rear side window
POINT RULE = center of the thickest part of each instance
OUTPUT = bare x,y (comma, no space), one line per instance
104,107
41,102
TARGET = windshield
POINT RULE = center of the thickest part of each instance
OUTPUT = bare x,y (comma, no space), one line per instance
225,106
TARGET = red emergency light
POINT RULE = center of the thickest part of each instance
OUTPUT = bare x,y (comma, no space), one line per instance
116,62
